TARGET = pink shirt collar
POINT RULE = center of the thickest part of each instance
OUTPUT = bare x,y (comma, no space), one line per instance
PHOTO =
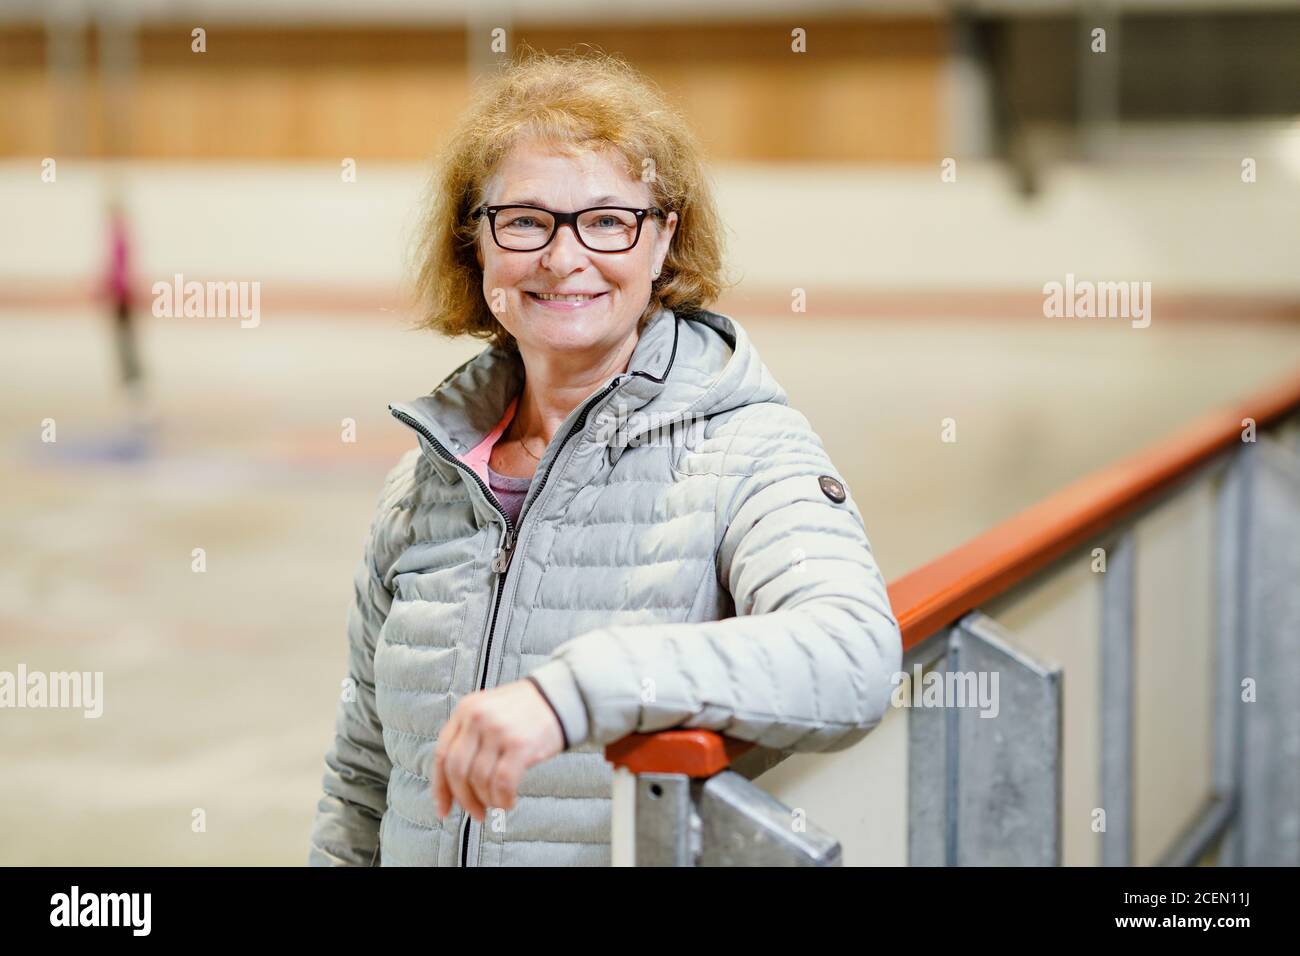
477,457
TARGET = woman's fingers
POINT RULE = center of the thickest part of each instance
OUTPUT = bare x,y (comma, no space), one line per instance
490,741
460,756
506,777
455,750
482,770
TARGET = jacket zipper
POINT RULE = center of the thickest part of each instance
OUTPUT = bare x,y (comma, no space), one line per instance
501,557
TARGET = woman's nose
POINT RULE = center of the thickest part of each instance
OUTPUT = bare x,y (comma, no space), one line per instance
564,251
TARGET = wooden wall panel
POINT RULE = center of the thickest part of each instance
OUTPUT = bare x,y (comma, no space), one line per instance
866,90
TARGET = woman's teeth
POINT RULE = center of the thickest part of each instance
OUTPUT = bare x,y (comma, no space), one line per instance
563,298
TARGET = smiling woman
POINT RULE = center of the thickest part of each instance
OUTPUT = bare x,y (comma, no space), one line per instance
584,117
614,522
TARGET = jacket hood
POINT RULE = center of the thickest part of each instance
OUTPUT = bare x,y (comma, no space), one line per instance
685,365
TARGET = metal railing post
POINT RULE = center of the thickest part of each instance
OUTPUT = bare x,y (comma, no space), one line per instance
1269,681
999,803
676,803
1117,621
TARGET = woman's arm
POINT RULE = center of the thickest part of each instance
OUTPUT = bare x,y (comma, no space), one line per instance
346,829
806,665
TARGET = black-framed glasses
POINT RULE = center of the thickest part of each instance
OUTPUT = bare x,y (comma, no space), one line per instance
519,228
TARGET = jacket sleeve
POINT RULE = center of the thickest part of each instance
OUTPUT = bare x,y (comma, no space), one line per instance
357,767
806,663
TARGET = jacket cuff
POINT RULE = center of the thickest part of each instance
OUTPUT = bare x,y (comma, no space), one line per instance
556,682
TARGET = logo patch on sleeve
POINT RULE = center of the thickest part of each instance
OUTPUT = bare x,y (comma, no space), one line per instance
832,488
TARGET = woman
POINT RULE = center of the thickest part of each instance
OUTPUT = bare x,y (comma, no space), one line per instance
613,523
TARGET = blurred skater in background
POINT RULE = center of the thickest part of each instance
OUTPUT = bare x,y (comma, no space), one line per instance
117,289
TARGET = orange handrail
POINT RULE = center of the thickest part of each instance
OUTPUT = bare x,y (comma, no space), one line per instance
696,753
937,594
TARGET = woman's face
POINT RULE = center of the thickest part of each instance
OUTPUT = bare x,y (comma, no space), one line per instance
620,281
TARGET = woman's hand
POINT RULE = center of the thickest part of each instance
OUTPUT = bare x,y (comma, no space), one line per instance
492,737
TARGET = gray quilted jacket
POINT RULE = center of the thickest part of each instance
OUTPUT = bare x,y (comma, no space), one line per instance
687,556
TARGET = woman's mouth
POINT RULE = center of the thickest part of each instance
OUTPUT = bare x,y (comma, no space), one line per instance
563,301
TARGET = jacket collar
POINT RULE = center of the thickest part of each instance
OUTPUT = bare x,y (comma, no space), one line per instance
470,401
690,365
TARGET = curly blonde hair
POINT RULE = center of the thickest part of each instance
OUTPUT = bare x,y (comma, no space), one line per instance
573,104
